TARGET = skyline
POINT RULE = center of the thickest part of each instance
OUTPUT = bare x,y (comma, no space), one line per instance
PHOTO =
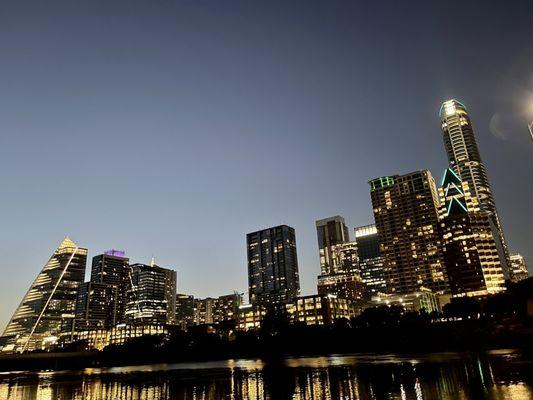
168,194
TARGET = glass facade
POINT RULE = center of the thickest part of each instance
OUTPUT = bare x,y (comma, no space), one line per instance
48,307
370,262
465,161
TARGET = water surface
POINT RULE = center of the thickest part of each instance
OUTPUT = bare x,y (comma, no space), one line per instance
494,375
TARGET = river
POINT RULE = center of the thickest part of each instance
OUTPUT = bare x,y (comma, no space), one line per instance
496,375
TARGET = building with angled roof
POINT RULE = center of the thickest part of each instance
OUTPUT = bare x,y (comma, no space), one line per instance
48,307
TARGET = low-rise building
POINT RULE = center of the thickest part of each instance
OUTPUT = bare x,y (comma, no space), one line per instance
410,301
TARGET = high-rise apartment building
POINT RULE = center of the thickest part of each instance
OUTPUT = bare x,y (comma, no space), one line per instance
272,265
518,268
406,215
152,296
465,161
370,262
473,262
48,307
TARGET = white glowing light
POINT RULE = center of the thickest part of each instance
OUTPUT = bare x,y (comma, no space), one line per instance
449,107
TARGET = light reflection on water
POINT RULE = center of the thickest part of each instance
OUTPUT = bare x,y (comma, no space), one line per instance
496,376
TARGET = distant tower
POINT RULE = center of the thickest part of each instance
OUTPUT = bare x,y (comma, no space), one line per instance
339,263
370,261
272,265
465,161
330,232
48,307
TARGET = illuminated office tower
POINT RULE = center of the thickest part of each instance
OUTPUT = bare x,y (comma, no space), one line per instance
464,158
151,300
370,262
272,265
473,262
518,268
330,232
48,307
406,215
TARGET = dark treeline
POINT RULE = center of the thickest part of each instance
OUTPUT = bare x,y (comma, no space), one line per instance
466,324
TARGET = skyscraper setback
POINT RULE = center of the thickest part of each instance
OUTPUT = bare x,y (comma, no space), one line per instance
330,232
406,214
465,161
272,265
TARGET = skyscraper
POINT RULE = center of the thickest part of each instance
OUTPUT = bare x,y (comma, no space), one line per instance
151,300
339,264
48,307
473,262
465,161
406,215
330,232
272,265
370,262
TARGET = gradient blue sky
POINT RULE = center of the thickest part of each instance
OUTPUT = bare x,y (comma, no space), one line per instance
173,128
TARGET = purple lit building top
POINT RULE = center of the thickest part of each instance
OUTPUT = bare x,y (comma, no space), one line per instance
115,253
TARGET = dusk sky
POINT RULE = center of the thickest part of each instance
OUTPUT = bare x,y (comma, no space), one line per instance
172,128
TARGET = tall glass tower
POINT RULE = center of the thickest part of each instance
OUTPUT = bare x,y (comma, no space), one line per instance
465,161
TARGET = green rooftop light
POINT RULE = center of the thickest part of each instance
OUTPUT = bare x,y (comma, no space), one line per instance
379,183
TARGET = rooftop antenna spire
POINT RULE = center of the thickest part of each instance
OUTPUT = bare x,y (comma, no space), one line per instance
530,127
152,261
